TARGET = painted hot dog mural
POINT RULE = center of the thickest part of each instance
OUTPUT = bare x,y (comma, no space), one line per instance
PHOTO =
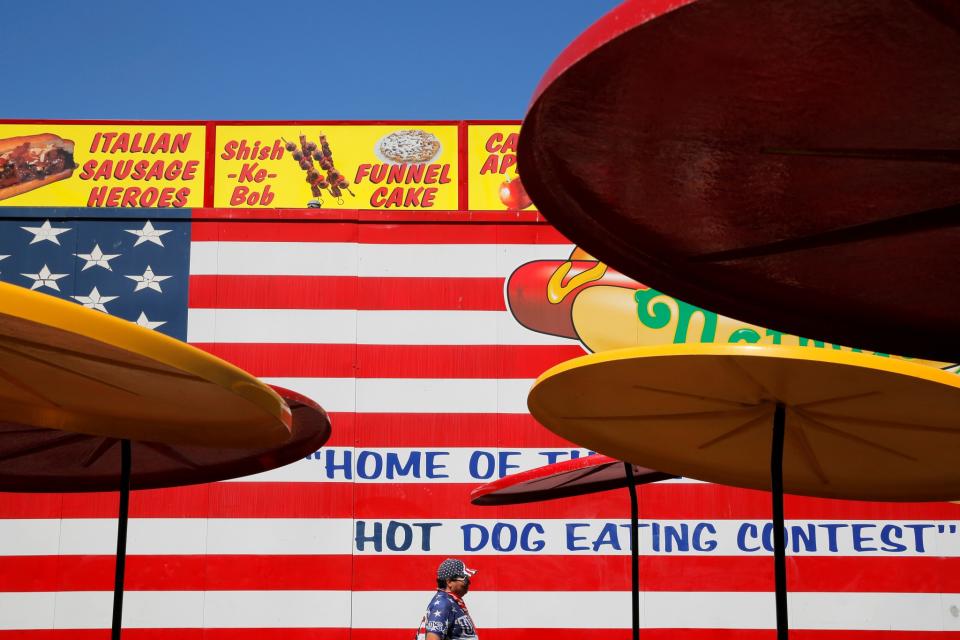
586,300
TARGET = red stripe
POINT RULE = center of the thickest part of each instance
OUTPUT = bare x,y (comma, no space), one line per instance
329,123
392,361
210,159
341,230
440,430
673,573
288,360
486,634
373,216
684,634
116,123
474,361
242,231
672,501
463,154
344,433
472,233
345,292
414,572
258,123
176,573
181,634
219,500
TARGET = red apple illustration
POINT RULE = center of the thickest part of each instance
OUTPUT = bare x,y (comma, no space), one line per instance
513,195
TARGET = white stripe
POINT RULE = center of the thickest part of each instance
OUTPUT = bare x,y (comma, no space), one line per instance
371,465
178,536
336,395
288,326
511,256
30,537
367,260
293,609
73,536
177,609
703,610
440,327
452,260
280,536
489,609
203,258
412,465
486,536
416,395
141,609
155,536
657,537
428,260
28,610
511,332
348,326
273,258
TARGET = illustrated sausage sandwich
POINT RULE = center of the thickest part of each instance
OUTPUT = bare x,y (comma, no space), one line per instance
30,162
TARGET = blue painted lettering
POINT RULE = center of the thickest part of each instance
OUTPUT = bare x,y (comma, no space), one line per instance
573,539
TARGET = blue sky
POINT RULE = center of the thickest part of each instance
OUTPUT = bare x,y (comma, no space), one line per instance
281,59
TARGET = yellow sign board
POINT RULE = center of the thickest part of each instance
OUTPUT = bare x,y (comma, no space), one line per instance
390,166
293,166
101,165
493,184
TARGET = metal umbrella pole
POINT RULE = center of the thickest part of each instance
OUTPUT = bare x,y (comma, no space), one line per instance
121,561
779,544
634,551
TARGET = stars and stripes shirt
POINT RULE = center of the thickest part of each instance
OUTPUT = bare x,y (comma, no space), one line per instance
447,616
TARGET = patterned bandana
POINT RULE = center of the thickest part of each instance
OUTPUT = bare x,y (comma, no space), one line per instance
457,599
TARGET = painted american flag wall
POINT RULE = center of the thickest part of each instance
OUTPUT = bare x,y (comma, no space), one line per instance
397,325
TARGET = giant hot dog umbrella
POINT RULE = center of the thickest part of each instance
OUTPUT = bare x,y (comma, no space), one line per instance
794,164
81,390
786,419
578,477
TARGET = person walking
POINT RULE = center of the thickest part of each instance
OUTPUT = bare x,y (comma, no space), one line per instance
447,617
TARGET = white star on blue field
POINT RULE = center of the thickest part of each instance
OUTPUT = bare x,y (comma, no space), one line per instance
132,269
